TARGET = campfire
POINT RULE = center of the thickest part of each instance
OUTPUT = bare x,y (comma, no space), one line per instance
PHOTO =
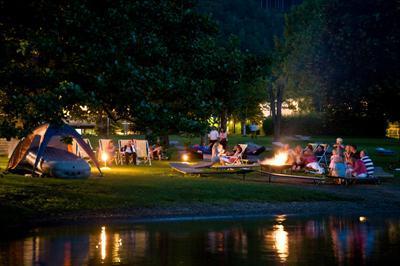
278,163
279,159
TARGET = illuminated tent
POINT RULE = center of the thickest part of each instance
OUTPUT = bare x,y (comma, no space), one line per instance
44,151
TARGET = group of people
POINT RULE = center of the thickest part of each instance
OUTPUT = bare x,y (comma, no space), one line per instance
223,156
129,153
301,158
348,161
345,161
218,142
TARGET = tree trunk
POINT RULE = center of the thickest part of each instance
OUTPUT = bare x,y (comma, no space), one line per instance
203,139
234,126
165,140
243,123
224,119
278,116
276,99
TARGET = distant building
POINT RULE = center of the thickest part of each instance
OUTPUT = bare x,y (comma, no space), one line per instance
278,4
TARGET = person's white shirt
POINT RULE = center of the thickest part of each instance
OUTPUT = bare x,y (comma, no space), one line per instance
130,149
213,135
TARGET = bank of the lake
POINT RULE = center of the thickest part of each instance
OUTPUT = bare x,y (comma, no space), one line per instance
157,192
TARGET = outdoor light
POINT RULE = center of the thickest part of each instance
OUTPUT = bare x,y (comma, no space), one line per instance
185,157
362,219
104,158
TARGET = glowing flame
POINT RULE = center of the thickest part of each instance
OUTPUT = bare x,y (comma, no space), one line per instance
104,157
185,157
279,159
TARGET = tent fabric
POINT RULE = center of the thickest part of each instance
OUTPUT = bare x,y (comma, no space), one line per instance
46,133
23,147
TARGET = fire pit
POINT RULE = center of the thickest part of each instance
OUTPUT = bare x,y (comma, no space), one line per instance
275,168
277,164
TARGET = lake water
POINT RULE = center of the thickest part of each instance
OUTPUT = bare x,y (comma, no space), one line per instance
262,241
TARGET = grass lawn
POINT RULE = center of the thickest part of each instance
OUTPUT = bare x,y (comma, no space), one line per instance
126,187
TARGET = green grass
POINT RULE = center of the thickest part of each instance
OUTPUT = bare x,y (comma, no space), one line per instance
122,188
23,198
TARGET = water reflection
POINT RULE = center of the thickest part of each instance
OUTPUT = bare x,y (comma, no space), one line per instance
331,240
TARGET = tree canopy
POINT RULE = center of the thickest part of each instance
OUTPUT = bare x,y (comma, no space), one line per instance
343,55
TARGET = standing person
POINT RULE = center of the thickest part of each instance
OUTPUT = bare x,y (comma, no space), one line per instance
129,151
253,130
367,162
213,136
223,138
339,146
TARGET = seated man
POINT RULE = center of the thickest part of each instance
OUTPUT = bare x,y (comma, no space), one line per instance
231,158
128,152
368,163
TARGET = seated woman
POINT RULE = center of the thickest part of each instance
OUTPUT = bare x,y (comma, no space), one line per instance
347,154
110,150
297,158
156,151
216,152
320,150
358,169
337,166
231,158
311,162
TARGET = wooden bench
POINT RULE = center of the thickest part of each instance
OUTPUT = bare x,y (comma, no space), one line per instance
270,175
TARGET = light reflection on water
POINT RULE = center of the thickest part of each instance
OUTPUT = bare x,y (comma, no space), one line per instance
282,240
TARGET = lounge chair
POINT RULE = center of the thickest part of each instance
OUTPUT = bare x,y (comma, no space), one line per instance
76,149
143,150
120,155
239,158
323,158
202,170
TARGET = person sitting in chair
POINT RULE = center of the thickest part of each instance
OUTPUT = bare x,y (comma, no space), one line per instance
233,157
110,150
128,152
156,152
216,152
319,151
358,169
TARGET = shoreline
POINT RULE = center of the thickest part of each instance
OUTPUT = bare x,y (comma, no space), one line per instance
208,212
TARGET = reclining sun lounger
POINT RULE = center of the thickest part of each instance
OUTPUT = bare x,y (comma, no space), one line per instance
188,169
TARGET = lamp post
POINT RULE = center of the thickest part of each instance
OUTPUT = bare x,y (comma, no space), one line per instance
104,158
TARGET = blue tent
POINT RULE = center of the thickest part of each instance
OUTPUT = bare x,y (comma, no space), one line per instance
45,141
